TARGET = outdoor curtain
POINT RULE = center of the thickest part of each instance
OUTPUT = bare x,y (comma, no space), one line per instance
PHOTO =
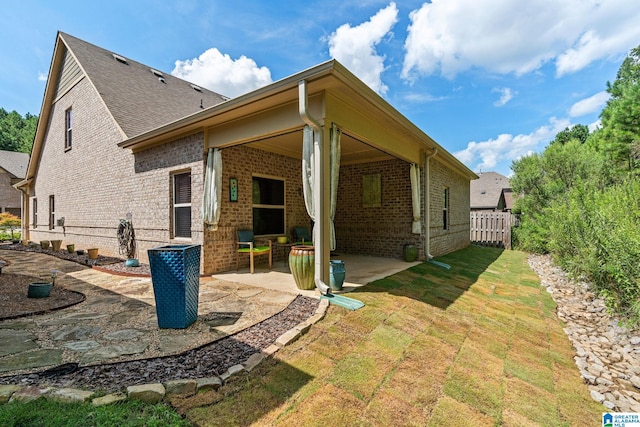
415,198
212,189
309,174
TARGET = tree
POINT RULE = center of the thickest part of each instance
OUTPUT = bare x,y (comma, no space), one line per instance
619,136
17,132
577,132
10,221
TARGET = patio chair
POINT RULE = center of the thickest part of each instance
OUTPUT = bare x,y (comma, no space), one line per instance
246,245
302,236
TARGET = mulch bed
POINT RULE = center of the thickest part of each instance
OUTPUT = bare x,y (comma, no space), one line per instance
14,302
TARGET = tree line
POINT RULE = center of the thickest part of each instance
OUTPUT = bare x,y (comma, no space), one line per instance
580,198
17,132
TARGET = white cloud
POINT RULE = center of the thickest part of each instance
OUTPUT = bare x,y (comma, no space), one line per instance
354,47
505,148
222,74
504,36
42,77
506,95
590,104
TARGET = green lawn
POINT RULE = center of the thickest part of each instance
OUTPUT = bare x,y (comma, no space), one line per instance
475,345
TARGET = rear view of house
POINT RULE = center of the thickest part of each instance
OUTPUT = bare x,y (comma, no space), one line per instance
119,139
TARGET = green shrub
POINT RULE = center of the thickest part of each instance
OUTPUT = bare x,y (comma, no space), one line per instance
595,234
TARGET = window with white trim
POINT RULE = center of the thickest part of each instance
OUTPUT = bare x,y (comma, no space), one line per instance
268,206
181,227
445,209
68,129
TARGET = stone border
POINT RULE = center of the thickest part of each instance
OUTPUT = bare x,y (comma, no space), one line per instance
156,392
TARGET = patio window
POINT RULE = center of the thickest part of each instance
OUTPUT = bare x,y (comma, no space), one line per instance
52,212
445,209
182,205
35,213
268,206
68,129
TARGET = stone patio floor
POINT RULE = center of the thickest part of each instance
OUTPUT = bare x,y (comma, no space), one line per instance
118,321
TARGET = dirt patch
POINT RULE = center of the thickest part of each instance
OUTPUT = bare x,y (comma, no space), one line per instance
14,302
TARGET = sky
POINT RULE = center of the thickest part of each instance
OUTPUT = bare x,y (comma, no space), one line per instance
489,80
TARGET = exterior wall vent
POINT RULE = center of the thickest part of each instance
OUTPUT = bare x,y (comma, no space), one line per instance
196,88
120,59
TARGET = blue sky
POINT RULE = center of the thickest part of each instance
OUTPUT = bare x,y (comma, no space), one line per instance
490,80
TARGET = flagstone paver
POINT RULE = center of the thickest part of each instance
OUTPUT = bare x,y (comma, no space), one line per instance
117,321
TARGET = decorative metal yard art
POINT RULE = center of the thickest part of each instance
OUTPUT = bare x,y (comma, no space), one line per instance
127,241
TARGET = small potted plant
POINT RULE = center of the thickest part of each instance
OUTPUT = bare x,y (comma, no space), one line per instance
71,248
42,289
44,244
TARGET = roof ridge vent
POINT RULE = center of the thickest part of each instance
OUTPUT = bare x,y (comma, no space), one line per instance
120,59
196,88
156,72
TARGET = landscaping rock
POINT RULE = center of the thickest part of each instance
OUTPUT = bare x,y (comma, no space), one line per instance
71,395
28,394
182,387
149,393
109,399
209,383
6,391
606,352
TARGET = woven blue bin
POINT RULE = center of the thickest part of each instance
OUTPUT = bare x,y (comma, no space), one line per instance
175,273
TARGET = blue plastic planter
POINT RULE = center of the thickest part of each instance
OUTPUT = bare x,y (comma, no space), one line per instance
175,273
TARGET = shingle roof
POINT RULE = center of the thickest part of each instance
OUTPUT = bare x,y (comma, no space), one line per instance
138,99
15,163
486,190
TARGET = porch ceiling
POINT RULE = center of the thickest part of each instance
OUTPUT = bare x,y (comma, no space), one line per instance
352,150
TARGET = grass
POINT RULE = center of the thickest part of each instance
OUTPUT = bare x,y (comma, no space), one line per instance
47,413
475,345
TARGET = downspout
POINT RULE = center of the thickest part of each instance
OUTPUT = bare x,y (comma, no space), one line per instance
317,196
427,202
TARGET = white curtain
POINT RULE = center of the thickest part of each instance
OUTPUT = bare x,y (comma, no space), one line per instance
309,176
415,198
335,171
212,197
308,170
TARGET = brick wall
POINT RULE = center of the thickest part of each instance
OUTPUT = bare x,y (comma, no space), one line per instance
457,236
242,163
380,231
96,183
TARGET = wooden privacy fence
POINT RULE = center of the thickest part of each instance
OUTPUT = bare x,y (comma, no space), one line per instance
492,228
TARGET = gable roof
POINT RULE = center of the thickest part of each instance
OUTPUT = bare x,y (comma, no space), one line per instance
138,97
15,163
134,96
486,190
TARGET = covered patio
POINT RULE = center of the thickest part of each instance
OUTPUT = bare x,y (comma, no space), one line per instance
360,270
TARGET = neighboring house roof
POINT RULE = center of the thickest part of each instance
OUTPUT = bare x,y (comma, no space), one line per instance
487,189
139,98
15,163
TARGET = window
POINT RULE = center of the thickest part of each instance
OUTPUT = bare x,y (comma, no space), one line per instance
182,205
52,212
67,127
268,206
35,213
445,209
